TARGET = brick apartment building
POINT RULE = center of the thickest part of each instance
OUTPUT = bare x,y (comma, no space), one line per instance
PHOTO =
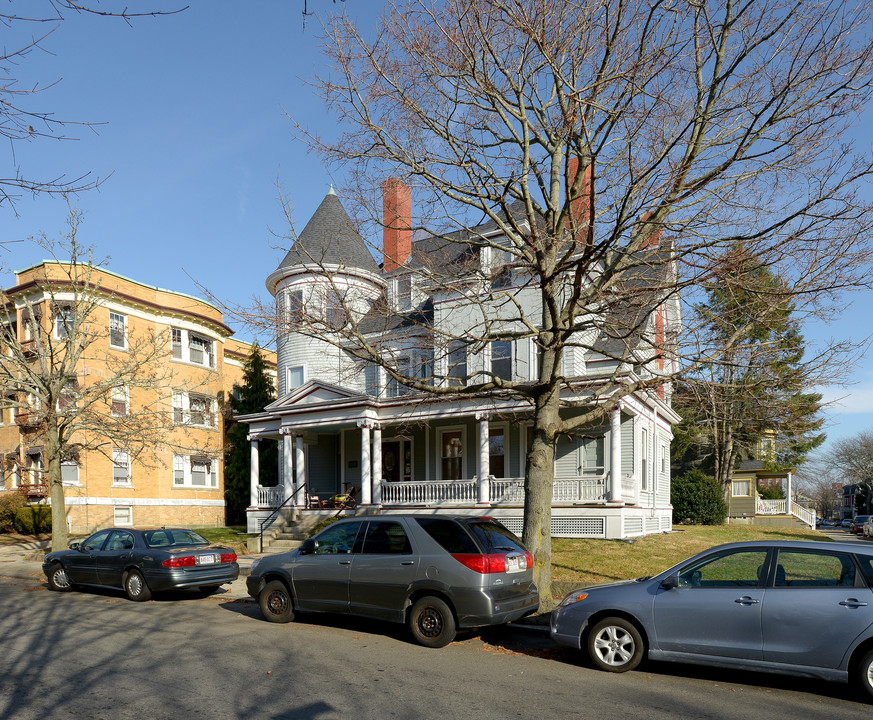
109,486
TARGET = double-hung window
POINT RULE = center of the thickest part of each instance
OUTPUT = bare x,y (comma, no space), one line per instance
178,407
200,350
457,363
200,410
295,377
501,359
63,322
395,388
117,330
120,467
176,334
120,400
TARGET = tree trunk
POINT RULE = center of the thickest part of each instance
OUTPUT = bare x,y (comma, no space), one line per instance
56,490
538,487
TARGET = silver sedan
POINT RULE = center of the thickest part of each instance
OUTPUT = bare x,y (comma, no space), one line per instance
803,608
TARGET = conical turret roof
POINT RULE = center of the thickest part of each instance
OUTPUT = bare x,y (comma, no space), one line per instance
330,238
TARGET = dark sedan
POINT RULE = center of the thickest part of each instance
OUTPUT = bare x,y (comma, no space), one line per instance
142,562
802,608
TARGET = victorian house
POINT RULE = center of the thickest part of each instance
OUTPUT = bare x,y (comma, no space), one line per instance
345,425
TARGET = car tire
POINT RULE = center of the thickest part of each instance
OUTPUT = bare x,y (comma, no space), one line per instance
615,645
864,675
431,622
58,579
136,588
276,603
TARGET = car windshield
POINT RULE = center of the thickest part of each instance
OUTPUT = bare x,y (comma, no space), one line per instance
173,538
494,537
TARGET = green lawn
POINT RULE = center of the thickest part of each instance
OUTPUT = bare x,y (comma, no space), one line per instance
596,561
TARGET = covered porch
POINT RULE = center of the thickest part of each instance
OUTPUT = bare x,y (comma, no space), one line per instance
400,455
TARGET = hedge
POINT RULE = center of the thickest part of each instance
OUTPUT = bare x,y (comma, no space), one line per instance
697,499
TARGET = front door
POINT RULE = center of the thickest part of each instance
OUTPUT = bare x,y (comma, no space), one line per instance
716,610
391,461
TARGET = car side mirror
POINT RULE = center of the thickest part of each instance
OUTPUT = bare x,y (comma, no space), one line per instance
670,582
74,546
308,547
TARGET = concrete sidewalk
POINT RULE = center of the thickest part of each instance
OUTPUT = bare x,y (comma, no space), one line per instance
24,561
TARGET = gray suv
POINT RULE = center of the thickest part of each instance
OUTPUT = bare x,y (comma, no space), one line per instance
434,573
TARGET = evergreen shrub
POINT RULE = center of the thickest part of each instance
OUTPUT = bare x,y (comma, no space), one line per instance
697,499
10,503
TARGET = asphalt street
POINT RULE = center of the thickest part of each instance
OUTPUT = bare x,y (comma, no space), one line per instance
97,655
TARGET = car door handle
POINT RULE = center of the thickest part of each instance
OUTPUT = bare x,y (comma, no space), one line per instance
853,603
746,600
408,562
345,562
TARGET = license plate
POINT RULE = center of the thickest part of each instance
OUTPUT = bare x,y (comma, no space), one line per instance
514,564
206,559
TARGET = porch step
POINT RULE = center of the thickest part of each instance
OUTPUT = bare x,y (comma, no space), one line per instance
281,545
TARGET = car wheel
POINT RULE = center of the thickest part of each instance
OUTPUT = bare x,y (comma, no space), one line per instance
136,588
58,579
432,623
864,674
207,590
275,602
615,645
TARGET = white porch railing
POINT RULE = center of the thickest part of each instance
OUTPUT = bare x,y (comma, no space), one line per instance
772,507
804,514
270,497
784,507
449,492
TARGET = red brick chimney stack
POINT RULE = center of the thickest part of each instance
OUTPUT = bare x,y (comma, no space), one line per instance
579,206
397,222
654,240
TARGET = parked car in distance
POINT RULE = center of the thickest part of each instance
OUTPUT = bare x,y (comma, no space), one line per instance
845,522
436,574
857,524
796,607
867,529
142,562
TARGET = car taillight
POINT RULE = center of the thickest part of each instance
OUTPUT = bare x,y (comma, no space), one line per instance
228,557
528,558
187,561
484,564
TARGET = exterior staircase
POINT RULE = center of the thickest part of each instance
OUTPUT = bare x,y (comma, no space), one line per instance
288,531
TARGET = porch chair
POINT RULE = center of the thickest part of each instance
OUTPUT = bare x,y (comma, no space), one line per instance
314,502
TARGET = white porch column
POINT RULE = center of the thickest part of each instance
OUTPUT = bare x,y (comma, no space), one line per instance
254,472
377,464
483,466
299,471
789,494
366,463
613,493
287,464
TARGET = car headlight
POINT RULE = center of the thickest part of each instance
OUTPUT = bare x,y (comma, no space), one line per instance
573,597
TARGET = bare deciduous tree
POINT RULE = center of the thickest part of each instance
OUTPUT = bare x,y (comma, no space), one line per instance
617,150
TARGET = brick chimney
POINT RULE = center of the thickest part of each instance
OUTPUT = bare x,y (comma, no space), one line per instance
397,223
579,207
654,240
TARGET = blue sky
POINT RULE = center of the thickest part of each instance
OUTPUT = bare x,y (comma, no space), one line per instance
192,140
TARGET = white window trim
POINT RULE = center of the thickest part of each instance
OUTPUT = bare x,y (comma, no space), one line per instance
185,348
118,522
185,408
452,429
116,483
734,483
645,462
124,331
119,389
505,427
187,484
511,358
302,368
